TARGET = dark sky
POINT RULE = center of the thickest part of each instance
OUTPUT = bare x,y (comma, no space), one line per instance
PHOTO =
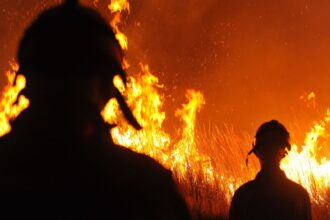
252,59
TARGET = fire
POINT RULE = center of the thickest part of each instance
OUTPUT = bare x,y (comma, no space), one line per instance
117,7
305,167
185,153
10,105
182,155
143,97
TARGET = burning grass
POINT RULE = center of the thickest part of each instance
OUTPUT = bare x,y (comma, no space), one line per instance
209,163
228,152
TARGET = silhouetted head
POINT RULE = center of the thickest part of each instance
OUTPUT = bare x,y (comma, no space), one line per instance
272,140
70,52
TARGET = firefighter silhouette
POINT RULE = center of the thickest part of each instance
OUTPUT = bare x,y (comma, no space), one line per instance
61,144
271,195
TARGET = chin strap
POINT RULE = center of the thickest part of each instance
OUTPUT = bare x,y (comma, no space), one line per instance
125,109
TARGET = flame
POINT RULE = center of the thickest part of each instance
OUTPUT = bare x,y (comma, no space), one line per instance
185,153
11,105
305,167
117,7
143,97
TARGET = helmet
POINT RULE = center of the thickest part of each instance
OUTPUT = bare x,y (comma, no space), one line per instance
69,36
270,137
78,40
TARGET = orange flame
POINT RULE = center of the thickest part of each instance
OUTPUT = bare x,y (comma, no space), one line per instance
305,168
143,97
10,105
186,153
117,7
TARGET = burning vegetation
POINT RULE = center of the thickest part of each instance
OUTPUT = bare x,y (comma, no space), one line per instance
12,104
208,167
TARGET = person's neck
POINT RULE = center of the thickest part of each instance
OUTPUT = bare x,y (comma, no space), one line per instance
270,166
67,118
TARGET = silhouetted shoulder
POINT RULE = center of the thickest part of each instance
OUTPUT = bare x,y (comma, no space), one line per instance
270,199
297,189
301,197
146,179
139,160
143,169
245,190
240,200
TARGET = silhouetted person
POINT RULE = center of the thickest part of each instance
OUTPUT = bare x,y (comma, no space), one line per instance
60,144
271,195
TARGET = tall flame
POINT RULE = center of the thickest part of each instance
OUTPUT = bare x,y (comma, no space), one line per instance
305,167
143,97
185,154
117,7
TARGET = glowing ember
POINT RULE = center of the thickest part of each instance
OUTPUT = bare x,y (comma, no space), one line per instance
309,99
10,106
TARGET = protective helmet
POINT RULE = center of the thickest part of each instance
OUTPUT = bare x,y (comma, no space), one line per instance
271,136
69,35
76,39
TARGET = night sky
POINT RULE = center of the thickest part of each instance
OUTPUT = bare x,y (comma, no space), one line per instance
252,59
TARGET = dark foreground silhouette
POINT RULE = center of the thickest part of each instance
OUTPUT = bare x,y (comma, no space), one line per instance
271,195
60,145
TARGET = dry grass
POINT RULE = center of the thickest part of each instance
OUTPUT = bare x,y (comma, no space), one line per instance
211,199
